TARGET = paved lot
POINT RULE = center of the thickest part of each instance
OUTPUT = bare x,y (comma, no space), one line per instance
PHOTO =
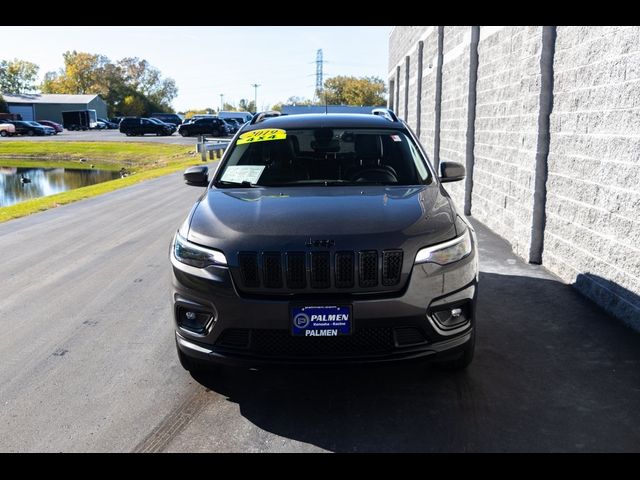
87,360
105,136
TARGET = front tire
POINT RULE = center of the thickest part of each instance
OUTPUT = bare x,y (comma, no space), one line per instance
30,133
3,133
184,133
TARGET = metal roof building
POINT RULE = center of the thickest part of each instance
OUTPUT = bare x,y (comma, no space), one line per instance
49,106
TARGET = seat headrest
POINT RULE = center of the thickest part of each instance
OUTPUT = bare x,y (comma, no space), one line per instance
368,146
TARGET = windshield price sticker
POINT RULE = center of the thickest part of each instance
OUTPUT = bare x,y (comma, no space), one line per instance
263,135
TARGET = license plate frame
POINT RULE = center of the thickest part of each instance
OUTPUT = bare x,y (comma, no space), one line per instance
313,321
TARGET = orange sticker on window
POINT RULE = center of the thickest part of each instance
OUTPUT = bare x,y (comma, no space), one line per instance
263,135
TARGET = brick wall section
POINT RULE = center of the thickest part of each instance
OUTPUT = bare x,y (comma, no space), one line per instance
592,226
454,106
506,131
592,234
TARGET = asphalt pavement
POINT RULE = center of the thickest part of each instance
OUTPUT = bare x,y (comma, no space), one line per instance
88,363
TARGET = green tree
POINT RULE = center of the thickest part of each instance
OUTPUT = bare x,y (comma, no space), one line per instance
246,106
229,107
4,108
145,79
342,90
132,105
17,76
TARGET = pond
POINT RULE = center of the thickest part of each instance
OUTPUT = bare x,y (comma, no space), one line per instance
23,183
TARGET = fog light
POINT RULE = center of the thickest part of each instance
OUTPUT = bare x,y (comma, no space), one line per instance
193,320
449,317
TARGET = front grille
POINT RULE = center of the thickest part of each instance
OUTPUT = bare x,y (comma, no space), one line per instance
368,269
249,269
409,336
282,343
296,270
345,267
272,271
234,338
391,267
320,270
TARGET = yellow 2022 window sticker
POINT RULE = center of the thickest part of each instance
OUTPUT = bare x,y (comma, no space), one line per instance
262,135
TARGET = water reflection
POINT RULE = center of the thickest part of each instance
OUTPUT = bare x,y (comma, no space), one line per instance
40,182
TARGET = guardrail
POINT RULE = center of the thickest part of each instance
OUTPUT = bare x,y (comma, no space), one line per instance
214,146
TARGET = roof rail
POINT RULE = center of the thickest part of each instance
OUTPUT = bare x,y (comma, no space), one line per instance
259,117
386,113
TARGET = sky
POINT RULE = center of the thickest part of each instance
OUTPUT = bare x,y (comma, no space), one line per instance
208,61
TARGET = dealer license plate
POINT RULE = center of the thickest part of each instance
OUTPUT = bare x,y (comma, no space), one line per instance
326,321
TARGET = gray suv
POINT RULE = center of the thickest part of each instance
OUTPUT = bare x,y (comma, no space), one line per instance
324,239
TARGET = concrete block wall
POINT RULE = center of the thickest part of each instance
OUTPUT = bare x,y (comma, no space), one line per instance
566,184
454,105
506,131
428,94
592,233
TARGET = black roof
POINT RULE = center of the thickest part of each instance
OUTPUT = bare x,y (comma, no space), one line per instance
332,120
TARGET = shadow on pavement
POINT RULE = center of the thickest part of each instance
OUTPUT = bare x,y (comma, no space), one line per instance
551,373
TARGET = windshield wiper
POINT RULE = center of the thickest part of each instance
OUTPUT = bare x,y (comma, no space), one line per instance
237,184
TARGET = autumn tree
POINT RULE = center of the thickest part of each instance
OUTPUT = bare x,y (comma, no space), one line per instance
130,86
17,76
363,91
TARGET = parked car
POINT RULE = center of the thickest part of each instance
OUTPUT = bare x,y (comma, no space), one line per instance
242,117
56,126
232,126
324,239
170,126
204,126
132,126
109,124
7,129
168,118
116,120
30,128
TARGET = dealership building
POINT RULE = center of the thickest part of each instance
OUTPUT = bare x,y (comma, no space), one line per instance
36,106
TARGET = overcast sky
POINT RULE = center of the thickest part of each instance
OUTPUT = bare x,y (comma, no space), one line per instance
208,61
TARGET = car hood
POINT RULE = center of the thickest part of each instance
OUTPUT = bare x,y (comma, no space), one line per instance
369,217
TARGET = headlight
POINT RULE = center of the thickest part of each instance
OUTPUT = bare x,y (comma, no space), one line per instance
447,252
195,255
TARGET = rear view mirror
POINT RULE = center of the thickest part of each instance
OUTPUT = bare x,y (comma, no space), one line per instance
451,172
197,176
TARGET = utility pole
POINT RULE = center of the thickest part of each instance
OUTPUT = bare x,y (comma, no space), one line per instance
319,64
255,95
221,102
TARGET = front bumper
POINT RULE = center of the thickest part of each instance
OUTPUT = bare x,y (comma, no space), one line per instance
251,331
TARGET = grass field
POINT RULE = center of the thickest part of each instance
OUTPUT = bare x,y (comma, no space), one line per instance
144,160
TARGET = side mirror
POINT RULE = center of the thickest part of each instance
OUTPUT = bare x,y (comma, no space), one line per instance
197,176
451,172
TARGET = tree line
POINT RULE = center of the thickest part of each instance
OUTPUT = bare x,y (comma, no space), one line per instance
130,86
340,90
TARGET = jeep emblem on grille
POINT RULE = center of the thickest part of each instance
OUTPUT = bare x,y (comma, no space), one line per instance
320,243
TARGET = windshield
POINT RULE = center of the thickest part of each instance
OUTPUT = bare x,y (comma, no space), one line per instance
323,156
